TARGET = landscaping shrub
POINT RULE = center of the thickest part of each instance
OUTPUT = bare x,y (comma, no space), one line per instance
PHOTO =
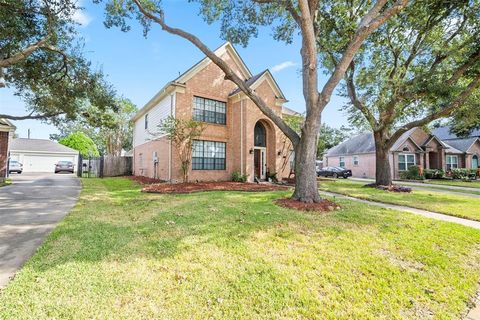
434,173
413,173
238,177
463,174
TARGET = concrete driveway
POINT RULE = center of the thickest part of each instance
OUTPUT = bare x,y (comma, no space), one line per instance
29,209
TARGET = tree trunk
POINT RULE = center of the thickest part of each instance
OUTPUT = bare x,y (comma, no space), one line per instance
306,188
383,175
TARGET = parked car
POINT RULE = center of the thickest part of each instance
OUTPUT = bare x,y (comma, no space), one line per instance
334,172
64,166
15,166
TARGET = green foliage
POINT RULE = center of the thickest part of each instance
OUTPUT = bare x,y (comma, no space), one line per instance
467,117
56,79
413,173
238,177
330,137
79,141
463,174
434,173
415,65
111,131
182,133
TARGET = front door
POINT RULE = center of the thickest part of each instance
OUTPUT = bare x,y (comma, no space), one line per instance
475,162
260,164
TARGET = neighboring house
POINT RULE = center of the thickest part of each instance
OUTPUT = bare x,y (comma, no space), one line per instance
6,134
439,150
41,155
237,136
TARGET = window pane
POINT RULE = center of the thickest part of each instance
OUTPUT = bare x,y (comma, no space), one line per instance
410,158
208,110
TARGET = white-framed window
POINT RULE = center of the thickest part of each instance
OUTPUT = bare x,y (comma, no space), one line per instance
146,121
452,162
405,161
342,162
356,160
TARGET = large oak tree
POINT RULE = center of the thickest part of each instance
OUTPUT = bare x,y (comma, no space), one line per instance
421,65
240,20
41,59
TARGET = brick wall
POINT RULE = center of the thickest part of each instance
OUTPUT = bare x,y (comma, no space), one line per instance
210,83
3,154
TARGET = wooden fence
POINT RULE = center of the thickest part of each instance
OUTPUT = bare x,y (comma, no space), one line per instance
106,166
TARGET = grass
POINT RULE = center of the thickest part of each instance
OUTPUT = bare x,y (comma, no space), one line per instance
7,182
122,254
432,200
458,183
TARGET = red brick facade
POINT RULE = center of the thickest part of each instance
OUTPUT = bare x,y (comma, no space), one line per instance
3,154
237,133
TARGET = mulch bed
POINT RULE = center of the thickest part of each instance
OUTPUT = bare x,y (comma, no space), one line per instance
210,186
323,206
145,180
392,188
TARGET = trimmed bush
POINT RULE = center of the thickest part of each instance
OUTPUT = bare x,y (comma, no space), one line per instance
434,173
238,177
463,174
413,173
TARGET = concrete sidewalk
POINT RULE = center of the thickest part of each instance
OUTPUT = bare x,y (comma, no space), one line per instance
424,185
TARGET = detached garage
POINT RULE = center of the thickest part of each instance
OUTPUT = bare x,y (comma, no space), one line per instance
40,155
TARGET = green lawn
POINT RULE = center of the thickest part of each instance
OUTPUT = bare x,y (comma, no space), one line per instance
432,200
230,255
6,182
469,184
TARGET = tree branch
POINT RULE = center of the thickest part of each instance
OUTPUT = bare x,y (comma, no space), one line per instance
369,23
444,112
31,116
352,93
25,53
229,73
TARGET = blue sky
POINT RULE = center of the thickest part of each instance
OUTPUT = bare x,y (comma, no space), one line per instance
138,67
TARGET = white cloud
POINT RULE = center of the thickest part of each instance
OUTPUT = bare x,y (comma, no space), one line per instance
81,18
283,65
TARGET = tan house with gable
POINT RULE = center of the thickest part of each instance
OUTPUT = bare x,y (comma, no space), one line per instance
237,136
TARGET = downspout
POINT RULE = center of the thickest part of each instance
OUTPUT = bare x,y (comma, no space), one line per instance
241,137
172,101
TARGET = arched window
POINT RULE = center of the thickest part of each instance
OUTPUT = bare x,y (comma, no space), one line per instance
260,136
406,149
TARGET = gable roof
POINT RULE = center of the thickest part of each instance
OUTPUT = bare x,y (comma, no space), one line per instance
451,149
462,144
184,77
403,138
226,47
433,137
257,79
443,133
6,125
362,143
39,145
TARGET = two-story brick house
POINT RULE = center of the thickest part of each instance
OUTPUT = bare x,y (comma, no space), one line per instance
237,136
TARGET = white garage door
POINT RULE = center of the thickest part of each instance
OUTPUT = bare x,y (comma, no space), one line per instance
40,163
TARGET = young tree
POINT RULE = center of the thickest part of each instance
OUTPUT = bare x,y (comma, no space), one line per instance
181,133
112,131
42,60
240,20
421,65
82,143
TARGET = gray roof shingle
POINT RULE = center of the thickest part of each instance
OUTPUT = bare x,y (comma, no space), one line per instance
39,145
462,144
249,82
443,133
363,143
